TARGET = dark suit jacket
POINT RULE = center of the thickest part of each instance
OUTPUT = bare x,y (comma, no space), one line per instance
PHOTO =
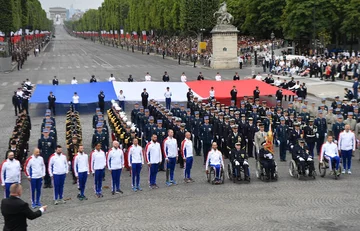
15,212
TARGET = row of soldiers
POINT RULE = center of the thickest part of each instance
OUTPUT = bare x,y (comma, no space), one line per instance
47,143
73,136
19,140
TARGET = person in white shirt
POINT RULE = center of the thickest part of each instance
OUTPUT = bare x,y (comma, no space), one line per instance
218,77
168,95
74,81
10,173
240,61
215,159
58,168
121,98
346,146
81,170
28,83
187,154
34,169
183,77
153,159
97,168
111,78
329,150
258,77
75,101
277,82
147,77
136,160
212,93
115,163
170,150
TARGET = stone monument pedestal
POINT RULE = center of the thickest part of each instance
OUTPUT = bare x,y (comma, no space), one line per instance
224,47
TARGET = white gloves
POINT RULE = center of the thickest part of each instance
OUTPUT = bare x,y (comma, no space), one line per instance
245,162
278,142
317,135
287,142
301,159
309,159
246,140
325,134
69,163
237,163
291,146
217,137
222,139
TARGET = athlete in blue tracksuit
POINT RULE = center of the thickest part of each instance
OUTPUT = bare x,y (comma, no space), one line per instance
171,155
81,170
10,173
97,166
153,158
187,153
115,163
136,160
34,169
58,168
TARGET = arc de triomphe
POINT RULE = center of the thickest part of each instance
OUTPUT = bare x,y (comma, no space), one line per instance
57,14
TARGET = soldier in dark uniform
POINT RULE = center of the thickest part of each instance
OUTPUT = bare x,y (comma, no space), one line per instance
196,127
302,156
267,161
161,135
233,95
294,136
72,150
304,114
321,125
268,121
188,120
239,159
101,97
256,93
233,138
52,99
206,136
47,146
180,136
100,137
282,132
249,134
338,127
134,112
144,98
150,129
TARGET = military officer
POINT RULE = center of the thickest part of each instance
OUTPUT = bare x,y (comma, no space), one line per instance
281,133
100,137
206,136
321,125
47,146
310,135
73,148
196,129
161,135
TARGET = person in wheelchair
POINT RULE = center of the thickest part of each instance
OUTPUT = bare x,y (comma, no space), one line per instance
215,160
239,159
330,152
267,162
303,158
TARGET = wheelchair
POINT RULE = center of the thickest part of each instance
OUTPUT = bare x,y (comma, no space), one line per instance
325,165
294,170
233,176
260,171
211,175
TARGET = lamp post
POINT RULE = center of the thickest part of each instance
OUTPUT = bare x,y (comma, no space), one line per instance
272,36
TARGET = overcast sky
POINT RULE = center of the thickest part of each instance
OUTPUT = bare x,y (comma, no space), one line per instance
78,4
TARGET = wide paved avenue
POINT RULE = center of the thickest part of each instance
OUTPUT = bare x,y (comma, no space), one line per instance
289,204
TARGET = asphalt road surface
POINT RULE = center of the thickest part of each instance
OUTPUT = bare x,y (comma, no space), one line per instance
289,204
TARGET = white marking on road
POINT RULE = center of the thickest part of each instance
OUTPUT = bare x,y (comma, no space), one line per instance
27,69
128,65
120,66
85,80
61,68
4,84
62,81
96,62
44,68
86,66
16,83
52,68
83,51
36,69
104,61
93,66
69,67
77,66
39,82
1,106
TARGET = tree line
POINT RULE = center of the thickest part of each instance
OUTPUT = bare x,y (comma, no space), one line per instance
23,14
290,19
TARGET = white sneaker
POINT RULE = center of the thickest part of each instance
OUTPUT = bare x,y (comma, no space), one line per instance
349,172
343,171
